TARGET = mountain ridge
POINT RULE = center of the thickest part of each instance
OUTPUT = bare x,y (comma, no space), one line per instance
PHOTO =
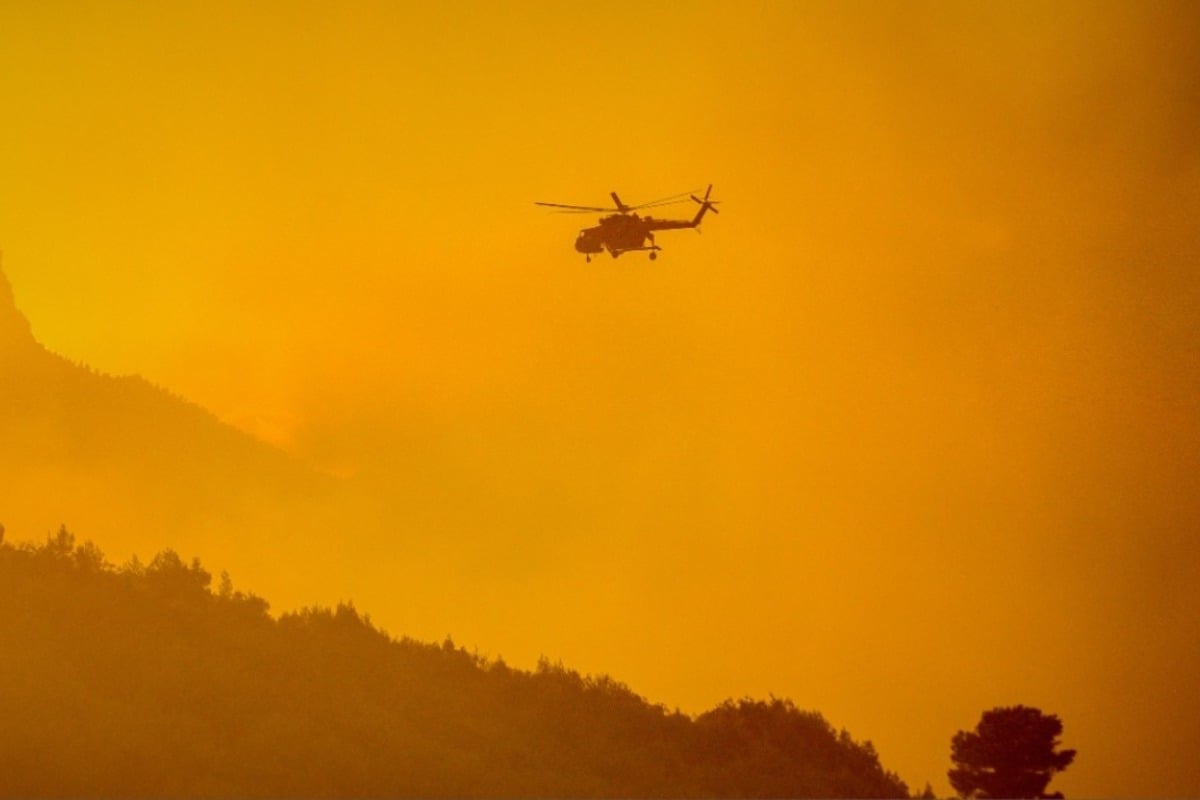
18,340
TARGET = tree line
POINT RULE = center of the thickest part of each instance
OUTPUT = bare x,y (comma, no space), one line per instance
145,680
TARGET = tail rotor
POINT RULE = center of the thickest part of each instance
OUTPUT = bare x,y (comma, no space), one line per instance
705,206
710,204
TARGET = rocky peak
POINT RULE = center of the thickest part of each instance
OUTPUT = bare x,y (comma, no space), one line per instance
14,327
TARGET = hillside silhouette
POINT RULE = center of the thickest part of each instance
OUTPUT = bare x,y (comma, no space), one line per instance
143,681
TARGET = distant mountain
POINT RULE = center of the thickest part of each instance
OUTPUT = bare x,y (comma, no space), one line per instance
141,682
136,467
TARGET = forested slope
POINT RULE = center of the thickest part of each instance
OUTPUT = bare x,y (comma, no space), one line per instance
144,681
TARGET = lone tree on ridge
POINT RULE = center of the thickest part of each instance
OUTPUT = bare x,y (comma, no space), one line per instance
1013,752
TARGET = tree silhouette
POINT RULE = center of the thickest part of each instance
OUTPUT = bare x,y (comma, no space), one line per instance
1013,752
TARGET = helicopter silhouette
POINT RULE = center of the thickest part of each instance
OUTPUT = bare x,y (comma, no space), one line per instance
626,230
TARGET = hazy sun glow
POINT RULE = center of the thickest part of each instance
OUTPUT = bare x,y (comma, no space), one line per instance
911,431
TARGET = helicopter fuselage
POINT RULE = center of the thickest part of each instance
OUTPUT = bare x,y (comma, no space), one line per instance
615,233
619,233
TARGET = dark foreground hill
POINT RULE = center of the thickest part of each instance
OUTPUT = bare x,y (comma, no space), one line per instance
143,682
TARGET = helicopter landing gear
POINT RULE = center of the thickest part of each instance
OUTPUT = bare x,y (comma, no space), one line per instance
588,259
653,255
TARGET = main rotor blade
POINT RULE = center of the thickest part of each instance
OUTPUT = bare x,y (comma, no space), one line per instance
662,201
572,208
658,204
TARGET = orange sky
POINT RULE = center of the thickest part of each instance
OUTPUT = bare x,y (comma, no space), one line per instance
912,431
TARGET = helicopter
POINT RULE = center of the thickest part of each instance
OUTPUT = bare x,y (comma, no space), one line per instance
627,231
